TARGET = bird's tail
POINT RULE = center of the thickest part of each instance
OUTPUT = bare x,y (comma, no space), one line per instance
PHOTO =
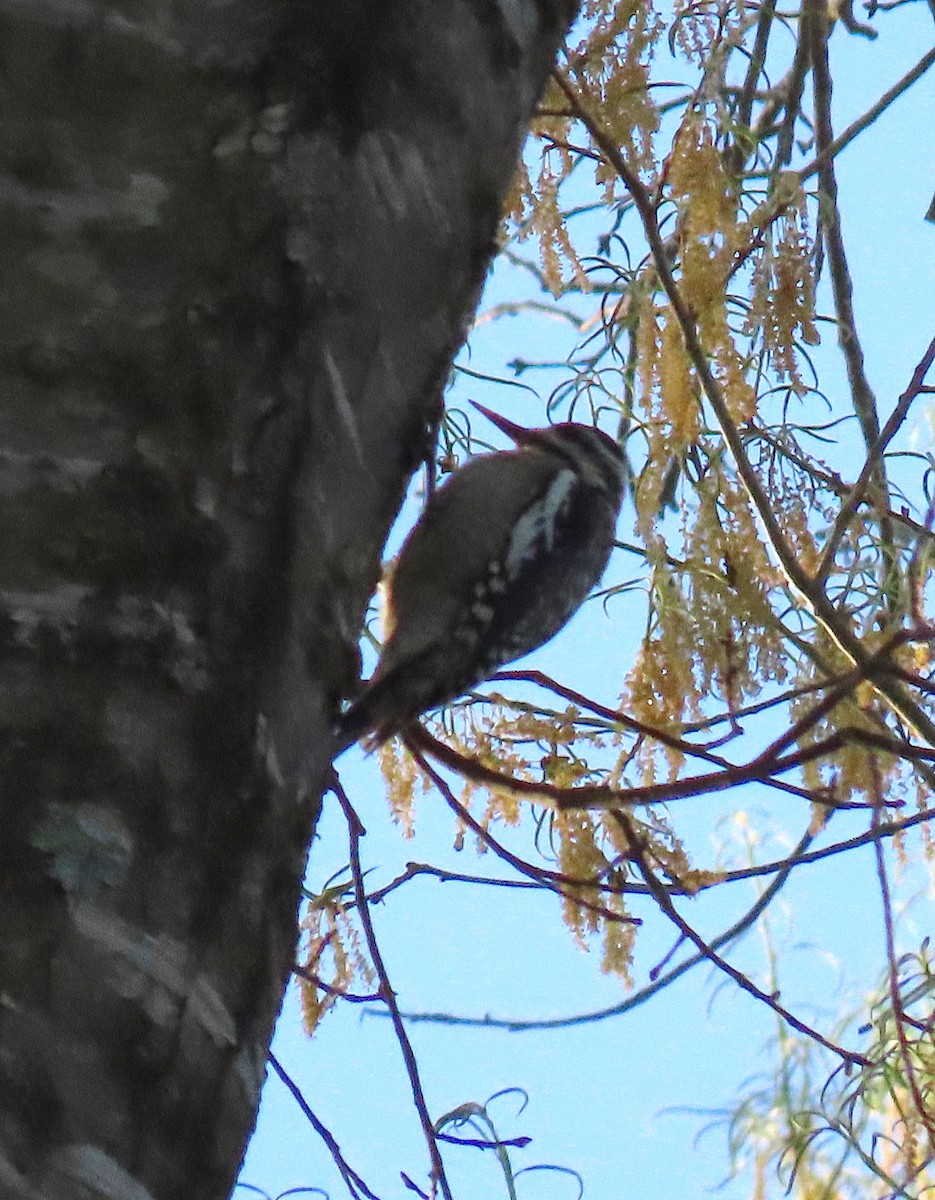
368,718
388,704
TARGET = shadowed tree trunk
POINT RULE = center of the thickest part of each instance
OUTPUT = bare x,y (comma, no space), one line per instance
239,245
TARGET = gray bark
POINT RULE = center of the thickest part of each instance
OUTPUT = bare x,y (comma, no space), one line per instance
240,244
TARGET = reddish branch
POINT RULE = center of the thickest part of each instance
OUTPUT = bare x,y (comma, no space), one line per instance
599,797
563,885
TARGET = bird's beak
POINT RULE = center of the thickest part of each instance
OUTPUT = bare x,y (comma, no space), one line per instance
518,433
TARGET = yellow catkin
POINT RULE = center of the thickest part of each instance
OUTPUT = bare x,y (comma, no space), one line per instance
677,393
503,806
613,66
729,578
660,691
700,187
399,774
546,220
332,939
618,938
732,374
708,236
311,1000
695,30
648,348
519,198
782,305
361,967
658,428
579,859
795,526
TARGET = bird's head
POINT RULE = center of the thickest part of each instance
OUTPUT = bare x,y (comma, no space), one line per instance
596,457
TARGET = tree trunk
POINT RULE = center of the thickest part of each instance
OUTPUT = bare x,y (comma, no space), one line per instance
240,244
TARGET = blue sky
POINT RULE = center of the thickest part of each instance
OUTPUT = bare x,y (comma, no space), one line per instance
602,1097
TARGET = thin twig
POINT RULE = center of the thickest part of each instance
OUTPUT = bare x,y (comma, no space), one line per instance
884,830
794,88
356,831
514,308
815,29
613,715
740,926
541,879
318,982
886,435
355,1185
899,1016
836,145
414,870
661,896
757,60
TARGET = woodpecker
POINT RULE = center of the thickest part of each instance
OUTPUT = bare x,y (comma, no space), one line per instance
504,554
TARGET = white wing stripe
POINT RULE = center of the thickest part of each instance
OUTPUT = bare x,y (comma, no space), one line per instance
534,533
